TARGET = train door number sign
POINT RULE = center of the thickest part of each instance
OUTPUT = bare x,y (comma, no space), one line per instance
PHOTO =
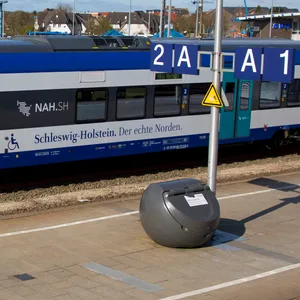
170,58
267,64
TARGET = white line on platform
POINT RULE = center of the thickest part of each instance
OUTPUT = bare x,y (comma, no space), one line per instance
286,187
231,283
132,213
68,224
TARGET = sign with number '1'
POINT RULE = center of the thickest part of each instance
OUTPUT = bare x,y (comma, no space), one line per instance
279,65
267,64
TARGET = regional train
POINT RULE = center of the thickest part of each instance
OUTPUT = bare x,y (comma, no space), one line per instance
71,98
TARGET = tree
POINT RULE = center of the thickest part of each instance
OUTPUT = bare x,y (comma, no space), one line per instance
277,9
185,23
66,7
227,24
258,9
98,26
209,20
19,23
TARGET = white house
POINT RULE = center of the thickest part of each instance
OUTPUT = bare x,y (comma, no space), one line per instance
60,21
139,22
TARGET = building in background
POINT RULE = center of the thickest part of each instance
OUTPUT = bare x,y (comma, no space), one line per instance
147,22
142,23
284,24
61,21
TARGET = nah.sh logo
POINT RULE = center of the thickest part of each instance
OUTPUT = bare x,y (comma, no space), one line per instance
24,108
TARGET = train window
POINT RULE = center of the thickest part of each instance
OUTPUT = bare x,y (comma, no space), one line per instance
270,94
245,96
229,92
167,100
197,93
293,97
295,26
131,102
91,105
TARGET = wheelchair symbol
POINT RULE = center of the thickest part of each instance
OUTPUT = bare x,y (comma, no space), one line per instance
12,144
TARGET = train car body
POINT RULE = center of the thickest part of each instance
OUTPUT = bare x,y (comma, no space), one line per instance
65,98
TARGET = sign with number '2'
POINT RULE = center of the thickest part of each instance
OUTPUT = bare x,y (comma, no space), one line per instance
267,64
161,58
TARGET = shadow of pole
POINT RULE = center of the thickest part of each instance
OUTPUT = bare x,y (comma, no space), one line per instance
237,228
285,202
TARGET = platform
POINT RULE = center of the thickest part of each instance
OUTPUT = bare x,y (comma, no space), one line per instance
101,251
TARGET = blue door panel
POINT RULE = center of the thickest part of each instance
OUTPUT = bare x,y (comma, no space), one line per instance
235,120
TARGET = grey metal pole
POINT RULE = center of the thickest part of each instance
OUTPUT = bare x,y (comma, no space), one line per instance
161,19
213,138
129,18
271,21
73,22
197,18
165,16
34,32
149,20
3,21
169,17
201,16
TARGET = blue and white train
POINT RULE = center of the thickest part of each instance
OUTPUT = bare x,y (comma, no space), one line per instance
66,98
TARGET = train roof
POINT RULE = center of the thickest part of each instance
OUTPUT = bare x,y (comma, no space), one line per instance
69,43
13,46
55,43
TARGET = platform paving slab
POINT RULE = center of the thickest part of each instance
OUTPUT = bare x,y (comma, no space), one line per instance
258,232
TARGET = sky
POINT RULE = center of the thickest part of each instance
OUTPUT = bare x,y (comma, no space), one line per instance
123,5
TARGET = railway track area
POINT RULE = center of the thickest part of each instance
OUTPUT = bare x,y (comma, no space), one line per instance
55,186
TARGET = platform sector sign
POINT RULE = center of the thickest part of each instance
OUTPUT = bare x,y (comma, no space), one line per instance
174,58
266,64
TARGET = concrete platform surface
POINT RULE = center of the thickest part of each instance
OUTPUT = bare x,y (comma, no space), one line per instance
101,251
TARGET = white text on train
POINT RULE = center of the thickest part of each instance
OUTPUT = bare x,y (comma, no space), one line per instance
51,106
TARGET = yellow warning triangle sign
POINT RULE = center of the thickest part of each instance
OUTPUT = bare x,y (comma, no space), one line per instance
212,98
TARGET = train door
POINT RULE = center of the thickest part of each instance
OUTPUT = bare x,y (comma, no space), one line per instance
244,101
236,118
227,118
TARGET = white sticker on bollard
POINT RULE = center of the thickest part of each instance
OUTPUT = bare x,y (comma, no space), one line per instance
197,200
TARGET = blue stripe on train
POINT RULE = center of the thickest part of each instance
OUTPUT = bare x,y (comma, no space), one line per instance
73,61
56,155
83,61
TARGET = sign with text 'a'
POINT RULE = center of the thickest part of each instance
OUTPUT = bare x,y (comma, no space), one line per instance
248,63
186,59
